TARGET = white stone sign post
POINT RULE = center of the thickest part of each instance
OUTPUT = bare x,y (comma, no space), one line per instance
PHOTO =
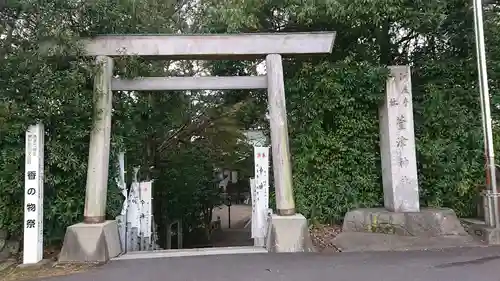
33,195
397,144
260,195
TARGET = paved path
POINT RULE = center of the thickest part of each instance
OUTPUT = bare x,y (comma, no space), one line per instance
232,237
240,214
237,235
458,264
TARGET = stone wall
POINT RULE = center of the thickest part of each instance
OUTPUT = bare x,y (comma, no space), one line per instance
8,247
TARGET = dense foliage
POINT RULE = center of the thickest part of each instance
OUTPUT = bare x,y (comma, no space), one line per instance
178,138
155,130
333,102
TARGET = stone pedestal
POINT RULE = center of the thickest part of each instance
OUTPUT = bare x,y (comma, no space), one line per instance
91,243
288,234
481,231
378,229
427,222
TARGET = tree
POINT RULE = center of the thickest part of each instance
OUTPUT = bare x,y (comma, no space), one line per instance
334,129
57,91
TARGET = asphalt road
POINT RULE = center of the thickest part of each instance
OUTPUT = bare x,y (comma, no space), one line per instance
458,264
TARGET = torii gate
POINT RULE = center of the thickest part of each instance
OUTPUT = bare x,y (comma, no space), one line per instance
97,239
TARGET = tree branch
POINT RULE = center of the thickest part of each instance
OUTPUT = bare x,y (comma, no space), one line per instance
206,121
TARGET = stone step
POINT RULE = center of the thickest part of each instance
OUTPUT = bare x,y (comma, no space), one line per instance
362,241
480,231
232,237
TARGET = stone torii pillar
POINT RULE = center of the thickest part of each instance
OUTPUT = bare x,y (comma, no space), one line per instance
288,231
282,164
100,138
96,239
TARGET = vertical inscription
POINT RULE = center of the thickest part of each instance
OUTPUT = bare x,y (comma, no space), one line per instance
260,195
403,95
33,195
401,122
29,145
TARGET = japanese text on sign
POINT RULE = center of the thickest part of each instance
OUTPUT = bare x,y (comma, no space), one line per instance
33,195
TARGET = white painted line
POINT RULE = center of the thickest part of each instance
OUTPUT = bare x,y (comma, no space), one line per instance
190,253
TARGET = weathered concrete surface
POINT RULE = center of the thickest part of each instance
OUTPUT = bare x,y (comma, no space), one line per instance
7,264
289,234
4,253
363,242
482,232
91,242
443,265
38,265
8,247
3,238
427,222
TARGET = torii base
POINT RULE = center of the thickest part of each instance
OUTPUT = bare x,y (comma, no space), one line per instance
288,234
84,243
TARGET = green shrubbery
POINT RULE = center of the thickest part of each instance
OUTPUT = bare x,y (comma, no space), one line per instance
332,104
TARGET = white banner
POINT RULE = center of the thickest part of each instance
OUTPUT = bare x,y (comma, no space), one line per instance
33,195
145,206
253,195
120,181
133,209
139,209
260,192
